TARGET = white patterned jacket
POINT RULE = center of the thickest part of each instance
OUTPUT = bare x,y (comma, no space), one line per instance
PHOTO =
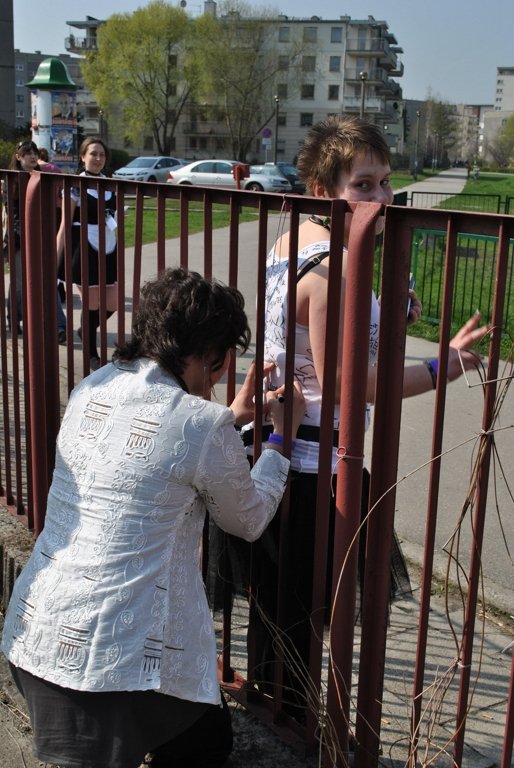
112,597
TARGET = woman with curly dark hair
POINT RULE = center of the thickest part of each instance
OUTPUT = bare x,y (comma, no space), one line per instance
108,631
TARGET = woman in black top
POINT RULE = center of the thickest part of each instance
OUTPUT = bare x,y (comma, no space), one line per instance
93,155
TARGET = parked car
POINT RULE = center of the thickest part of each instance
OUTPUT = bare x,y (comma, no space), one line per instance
220,173
290,171
148,168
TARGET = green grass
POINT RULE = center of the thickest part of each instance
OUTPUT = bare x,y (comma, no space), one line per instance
491,184
220,218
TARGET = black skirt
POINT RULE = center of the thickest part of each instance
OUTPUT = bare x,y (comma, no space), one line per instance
111,263
114,729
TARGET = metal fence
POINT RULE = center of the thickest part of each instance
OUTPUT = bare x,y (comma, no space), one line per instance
463,201
37,376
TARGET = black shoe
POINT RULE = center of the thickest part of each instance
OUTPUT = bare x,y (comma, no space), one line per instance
94,363
61,335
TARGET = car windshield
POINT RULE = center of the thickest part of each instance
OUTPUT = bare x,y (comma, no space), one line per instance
263,169
141,162
289,169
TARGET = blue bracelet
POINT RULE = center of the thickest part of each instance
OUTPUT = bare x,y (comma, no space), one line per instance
433,367
279,440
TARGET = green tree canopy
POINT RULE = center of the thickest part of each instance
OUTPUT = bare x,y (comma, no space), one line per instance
502,147
234,65
136,74
441,127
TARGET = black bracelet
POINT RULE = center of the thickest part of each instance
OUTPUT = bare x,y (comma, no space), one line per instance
432,366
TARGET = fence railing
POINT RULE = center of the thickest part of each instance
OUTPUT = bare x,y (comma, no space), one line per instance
463,201
42,374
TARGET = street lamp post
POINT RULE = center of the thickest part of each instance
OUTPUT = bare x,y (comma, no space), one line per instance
416,146
275,146
363,77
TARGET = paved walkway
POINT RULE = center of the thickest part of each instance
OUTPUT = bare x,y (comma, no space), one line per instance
450,182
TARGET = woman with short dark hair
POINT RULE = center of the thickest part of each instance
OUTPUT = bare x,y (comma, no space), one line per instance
108,629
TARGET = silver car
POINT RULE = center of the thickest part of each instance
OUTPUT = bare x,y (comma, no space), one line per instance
220,173
148,168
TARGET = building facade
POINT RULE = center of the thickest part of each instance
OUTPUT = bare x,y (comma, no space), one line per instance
345,65
7,66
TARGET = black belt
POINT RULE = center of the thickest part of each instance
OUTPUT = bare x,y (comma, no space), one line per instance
305,432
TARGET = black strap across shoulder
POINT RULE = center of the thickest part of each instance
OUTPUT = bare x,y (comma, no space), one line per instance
313,261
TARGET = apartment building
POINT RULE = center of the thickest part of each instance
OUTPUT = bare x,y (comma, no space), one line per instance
504,92
346,65
7,108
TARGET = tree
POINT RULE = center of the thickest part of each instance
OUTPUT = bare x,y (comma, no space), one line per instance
135,75
502,147
441,125
234,66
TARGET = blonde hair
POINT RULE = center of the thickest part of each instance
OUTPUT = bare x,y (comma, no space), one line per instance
330,148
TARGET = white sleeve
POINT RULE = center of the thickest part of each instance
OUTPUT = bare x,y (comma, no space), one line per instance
241,502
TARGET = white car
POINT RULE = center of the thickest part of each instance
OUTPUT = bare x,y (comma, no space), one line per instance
220,173
148,168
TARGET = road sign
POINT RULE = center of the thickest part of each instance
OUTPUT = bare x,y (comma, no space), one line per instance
267,133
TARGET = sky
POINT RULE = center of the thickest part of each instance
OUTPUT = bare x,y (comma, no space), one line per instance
451,47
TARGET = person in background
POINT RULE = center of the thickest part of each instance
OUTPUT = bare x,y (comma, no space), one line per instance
341,157
93,155
108,630
24,158
45,165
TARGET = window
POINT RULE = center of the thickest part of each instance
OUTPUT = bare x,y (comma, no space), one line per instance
173,89
20,97
20,83
307,91
333,92
172,59
19,67
283,34
310,34
334,64
309,63
20,113
148,143
282,90
336,35
306,118
282,119
283,62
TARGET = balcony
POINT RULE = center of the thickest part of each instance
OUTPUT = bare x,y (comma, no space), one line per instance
372,105
80,45
204,128
375,75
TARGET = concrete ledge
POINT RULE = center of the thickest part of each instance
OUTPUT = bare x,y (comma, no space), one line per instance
16,544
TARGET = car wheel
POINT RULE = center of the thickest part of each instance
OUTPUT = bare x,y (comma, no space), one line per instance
151,178
255,186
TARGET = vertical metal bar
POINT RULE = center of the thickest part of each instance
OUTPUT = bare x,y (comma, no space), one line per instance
435,475
386,438
484,450
354,376
508,738
35,362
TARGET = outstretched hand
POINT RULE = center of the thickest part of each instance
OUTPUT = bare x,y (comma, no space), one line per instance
461,357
